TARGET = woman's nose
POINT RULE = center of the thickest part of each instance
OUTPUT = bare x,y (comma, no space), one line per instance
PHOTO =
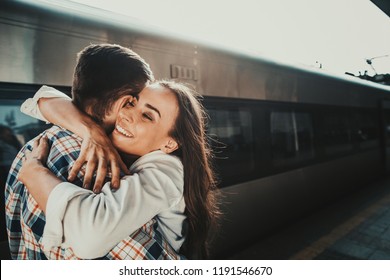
127,115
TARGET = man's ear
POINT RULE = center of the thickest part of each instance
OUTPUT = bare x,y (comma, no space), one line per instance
170,146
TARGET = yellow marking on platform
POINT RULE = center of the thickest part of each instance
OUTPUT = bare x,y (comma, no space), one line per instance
340,231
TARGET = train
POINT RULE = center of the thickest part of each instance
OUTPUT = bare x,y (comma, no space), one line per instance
288,139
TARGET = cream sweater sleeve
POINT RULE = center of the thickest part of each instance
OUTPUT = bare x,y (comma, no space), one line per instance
92,224
30,106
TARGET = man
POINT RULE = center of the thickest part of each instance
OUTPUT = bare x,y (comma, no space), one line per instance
9,148
104,77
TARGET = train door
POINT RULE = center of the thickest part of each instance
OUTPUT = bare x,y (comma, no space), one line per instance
386,134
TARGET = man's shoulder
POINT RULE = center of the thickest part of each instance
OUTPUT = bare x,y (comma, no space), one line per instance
55,135
62,141
60,134
64,150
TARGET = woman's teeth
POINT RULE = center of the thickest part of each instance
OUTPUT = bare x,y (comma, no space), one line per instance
122,131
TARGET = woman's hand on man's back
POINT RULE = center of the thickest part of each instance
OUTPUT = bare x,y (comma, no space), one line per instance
99,155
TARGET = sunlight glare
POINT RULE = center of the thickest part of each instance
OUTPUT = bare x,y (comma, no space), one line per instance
338,34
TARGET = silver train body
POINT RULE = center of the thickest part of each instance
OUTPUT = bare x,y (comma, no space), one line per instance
294,139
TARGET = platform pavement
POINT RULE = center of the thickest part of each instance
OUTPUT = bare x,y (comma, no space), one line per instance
355,227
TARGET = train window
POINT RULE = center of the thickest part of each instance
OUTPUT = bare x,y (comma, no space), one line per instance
16,129
386,116
292,137
335,132
366,129
23,126
233,128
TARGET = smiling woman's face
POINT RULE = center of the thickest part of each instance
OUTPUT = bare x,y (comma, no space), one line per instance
143,125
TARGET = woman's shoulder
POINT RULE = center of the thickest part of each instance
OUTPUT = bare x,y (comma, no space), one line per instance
161,167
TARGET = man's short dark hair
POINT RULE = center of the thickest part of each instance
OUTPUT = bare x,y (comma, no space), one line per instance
104,73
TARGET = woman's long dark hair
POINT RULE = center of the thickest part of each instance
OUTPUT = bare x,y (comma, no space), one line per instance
202,208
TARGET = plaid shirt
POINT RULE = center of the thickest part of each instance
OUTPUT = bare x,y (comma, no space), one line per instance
25,221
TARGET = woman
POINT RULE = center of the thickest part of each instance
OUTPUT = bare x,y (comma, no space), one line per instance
165,123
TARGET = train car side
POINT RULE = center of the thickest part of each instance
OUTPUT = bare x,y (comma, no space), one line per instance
291,139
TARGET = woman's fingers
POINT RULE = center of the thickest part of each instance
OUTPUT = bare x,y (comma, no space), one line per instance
26,155
115,174
40,150
99,156
89,171
36,143
33,158
78,164
100,175
122,165
43,149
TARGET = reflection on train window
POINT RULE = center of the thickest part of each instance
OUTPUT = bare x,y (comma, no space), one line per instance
16,129
335,132
291,137
233,127
387,126
366,130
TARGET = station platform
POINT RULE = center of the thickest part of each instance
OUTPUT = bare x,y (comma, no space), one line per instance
355,227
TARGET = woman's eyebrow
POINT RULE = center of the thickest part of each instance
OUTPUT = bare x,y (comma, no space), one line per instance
153,108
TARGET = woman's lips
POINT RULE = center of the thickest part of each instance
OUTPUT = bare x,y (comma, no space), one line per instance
123,131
